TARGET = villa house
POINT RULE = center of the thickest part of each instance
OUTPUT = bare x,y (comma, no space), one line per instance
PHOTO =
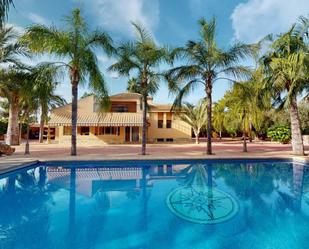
121,124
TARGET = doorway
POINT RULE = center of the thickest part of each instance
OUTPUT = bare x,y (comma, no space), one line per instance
131,134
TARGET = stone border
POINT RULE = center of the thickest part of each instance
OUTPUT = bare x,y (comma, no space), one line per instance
15,167
18,167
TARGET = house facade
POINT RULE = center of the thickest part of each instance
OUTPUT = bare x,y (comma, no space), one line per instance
121,124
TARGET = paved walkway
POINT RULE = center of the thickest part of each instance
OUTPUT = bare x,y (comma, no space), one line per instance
221,149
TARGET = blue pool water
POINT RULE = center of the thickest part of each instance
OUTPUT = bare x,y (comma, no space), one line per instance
163,204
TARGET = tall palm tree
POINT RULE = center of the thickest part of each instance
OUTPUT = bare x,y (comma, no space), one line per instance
4,9
195,116
13,83
141,56
44,89
10,50
206,63
77,45
286,69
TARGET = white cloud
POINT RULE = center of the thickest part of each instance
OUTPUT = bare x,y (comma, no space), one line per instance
37,18
105,62
118,14
257,18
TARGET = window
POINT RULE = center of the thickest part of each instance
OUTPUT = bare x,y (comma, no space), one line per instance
120,108
108,131
169,140
168,120
160,120
160,139
168,123
67,131
84,130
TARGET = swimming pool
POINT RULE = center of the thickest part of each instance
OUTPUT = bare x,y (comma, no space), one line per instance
156,204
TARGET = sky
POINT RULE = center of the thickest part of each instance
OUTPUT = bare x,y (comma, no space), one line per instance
171,22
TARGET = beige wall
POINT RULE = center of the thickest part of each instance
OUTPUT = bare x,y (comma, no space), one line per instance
85,105
180,131
91,139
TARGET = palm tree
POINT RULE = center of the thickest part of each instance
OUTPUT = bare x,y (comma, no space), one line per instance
219,117
13,83
76,45
257,101
206,63
141,56
239,102
286,74
195,116
44,89
4,9
9,87
29,105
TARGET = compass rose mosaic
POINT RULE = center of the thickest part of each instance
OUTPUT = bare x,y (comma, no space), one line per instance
202,204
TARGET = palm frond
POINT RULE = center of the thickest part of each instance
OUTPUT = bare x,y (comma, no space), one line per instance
41,38
96,80
143,36
101,39
4,9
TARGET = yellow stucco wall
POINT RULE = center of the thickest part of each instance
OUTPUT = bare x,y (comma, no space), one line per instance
180,131
91,139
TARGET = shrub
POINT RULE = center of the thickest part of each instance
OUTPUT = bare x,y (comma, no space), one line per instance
232,132
279,133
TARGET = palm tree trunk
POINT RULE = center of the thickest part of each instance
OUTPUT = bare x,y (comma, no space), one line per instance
209,117
12,134
245,149
74,117
20,129
220,134
144,131
41,128
27,148
250,131
297,140
197,140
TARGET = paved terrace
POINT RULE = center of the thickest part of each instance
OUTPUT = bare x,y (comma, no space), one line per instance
221,149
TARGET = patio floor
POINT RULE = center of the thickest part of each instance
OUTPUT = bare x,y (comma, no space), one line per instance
221,149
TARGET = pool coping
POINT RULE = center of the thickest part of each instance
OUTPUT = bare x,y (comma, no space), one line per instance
296,159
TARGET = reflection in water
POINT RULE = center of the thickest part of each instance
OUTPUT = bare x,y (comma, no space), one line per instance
124,206
24,219
72,209
298,177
